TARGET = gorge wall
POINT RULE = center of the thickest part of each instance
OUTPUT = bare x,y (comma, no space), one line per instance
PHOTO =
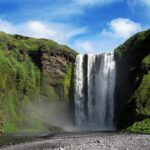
133,83
32,72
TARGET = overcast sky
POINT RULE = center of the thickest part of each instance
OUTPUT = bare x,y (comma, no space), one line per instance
88,26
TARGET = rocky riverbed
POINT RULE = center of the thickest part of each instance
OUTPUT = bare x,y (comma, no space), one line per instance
87,141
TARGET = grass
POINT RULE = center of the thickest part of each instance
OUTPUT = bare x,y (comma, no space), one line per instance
17,80
35,126
146,62
22,79
22,43
140,127
142,96
68,79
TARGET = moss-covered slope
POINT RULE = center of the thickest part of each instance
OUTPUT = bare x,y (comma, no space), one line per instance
31,70
133,83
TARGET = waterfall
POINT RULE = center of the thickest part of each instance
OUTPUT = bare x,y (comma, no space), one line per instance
79,96
95,77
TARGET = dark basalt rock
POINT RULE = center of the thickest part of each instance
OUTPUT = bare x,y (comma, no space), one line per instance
55,61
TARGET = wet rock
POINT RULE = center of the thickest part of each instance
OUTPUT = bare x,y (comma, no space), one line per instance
98,141
61,149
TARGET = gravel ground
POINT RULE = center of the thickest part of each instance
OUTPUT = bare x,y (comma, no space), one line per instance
88,141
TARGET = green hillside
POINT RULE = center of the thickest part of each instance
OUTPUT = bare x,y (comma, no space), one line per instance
133,63
31,71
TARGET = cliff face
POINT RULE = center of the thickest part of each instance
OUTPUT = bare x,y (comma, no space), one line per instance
133,83
31,71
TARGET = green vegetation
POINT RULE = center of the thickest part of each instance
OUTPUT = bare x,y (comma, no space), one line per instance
140,127
146,62
134,57
139,43
23,80
68,80
19,82
142,96
23,44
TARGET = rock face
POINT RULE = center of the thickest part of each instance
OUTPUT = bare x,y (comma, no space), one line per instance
55,61
32,71
133,83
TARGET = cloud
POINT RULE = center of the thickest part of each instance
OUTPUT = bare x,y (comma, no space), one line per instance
139,2
145,2
49,9
122,28
117,31
84,46
66,11
72,8
140,8
59,32
94,2
79,6
6,26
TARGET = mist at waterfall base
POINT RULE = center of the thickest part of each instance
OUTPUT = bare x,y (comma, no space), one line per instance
95,77
54,115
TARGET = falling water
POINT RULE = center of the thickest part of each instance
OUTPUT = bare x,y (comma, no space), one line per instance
94,91
79,97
